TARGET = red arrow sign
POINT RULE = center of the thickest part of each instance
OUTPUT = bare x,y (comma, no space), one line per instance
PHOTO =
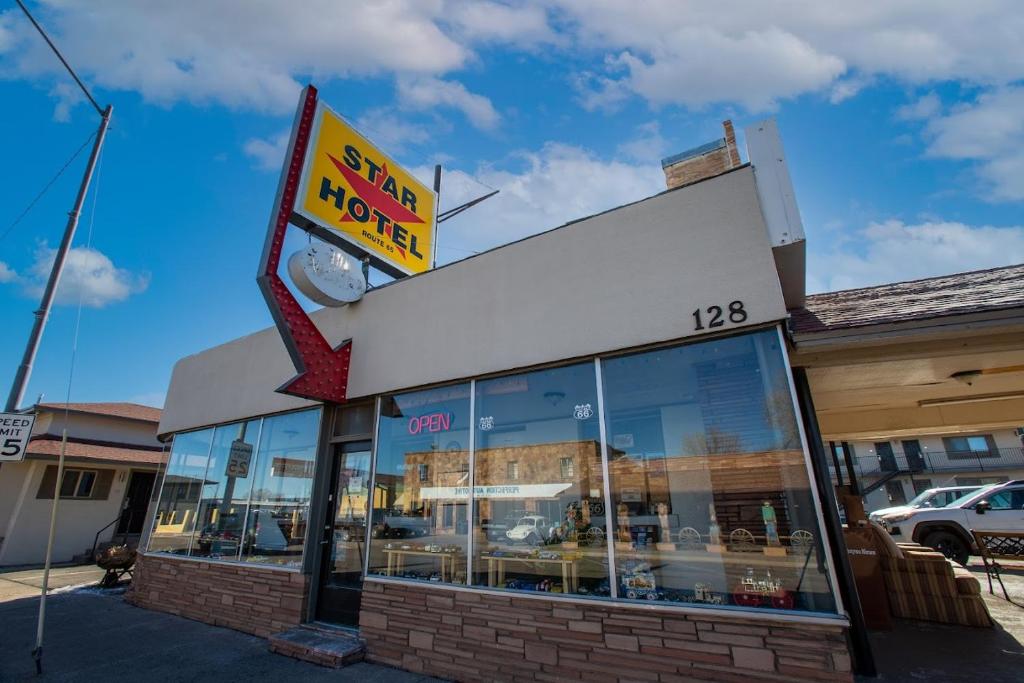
322,370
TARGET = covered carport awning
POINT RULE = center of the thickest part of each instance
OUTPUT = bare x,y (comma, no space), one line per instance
941,355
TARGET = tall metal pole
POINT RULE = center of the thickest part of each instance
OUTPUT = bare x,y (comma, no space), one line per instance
37,651
25,369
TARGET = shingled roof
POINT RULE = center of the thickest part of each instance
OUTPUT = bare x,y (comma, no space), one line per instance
51,446
131,411
961,293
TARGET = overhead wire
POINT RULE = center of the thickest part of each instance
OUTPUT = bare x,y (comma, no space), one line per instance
47,187
96,106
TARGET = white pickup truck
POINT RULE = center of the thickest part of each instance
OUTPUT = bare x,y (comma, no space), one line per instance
997,507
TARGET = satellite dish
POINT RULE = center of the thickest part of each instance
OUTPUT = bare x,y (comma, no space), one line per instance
327,275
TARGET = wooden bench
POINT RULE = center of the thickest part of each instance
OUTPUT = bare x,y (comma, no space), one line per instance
998,545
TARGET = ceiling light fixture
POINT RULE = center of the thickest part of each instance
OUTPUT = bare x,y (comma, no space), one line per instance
981,398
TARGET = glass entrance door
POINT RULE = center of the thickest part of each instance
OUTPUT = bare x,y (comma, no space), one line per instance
345,535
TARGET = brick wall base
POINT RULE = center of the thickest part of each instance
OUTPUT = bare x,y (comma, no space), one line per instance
470,636
254,600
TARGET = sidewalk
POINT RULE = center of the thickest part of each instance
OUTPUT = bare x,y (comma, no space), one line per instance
94,636
26,583
924,651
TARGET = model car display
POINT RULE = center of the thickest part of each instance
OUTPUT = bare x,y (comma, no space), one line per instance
531,529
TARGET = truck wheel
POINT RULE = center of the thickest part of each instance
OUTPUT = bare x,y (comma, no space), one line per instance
949,544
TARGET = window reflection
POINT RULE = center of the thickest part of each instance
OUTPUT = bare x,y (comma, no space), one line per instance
419,521
710,489
282,484
224,496
175,518
539,498
225,492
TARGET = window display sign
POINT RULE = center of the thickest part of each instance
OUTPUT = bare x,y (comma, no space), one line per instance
351,187
511,491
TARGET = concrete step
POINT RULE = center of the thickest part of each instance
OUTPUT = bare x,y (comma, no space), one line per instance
324,646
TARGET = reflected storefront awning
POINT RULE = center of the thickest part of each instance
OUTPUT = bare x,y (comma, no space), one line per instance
506,491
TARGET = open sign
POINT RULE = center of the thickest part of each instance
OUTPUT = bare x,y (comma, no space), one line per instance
431,423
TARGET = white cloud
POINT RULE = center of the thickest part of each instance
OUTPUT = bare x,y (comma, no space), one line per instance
667,52
7,274
923,108
893,250
648,146
989,132
381,125
754,54
425,93
88,274
555,185
267,153
523,25
388,130
249,56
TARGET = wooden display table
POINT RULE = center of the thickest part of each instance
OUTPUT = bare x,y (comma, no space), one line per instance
496,569
396,561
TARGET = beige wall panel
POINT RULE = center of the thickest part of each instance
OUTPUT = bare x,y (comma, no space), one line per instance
621,279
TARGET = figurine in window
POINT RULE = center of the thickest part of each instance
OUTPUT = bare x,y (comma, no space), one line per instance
622,513
771,531
714,531
570,521
666,533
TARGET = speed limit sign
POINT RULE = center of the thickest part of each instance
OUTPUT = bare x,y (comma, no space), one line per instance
15,430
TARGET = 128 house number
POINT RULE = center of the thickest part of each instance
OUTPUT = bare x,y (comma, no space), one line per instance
715,316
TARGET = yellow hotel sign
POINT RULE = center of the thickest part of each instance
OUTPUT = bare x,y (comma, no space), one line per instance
362,196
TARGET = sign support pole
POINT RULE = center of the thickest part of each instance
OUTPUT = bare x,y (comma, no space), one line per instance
25,369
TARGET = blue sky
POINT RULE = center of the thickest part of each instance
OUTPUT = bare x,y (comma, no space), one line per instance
901,124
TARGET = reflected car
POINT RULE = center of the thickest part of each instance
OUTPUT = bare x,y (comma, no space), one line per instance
532,529
212,539
397,525
938,497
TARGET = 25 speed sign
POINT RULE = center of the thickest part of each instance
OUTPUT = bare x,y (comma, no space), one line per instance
15,430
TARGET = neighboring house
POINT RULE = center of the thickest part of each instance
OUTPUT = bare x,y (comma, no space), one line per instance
893,471
111,462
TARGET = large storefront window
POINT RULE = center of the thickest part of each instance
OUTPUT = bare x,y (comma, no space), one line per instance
282,486
225,491
539,521
240,491
710,491
419,524
175,518
709,497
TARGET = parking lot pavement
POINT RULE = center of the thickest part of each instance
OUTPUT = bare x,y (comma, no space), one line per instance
25,583
923,651
94,636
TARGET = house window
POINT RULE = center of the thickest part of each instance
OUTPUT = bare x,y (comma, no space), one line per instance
513,471
77,483
968,447
568,471
424,471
